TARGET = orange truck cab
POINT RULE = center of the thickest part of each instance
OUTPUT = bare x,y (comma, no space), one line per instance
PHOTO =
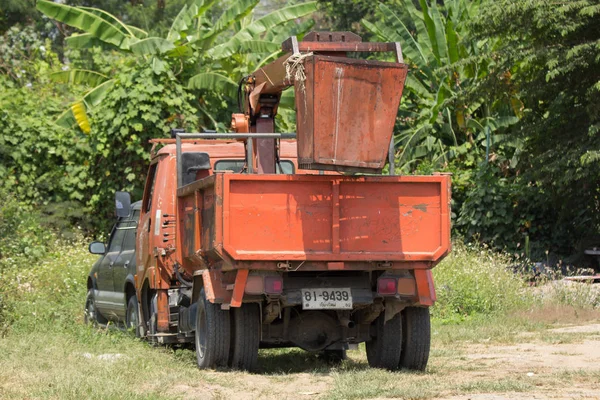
239,248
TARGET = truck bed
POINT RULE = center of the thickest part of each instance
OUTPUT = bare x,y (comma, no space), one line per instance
332,218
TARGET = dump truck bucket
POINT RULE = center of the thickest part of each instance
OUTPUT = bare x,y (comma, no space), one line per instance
346,110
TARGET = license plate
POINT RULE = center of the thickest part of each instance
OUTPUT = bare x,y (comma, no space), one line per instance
327,299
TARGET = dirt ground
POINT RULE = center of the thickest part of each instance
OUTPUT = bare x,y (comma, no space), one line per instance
561,363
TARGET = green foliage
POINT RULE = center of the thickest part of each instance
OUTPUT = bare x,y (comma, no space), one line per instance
142,105
24,54
13,12
488,211
40,161
345,15
474,280
506,213
20,232
550,53
439,120
95,23
197,48
47,292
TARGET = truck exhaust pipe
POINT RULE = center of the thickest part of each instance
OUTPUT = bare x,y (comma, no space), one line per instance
346,322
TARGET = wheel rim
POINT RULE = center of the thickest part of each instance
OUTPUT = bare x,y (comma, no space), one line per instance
201,331
90,311
133,318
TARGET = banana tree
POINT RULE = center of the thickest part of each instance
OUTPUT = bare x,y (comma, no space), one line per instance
438,119
201,52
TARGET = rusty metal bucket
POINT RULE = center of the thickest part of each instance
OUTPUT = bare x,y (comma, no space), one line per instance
346,110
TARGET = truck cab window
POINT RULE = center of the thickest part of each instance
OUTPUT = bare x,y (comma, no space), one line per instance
150,183
287,167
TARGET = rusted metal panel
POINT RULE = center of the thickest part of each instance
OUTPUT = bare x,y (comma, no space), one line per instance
306,46
303,265
346,110
269,218
162,310
325,36
265,148
425,287
238,290
390,217
214,287
208,218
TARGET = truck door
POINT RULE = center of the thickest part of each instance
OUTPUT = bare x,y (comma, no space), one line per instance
144,250
105,300
126,264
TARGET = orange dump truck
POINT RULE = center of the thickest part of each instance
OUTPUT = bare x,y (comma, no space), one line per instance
257,239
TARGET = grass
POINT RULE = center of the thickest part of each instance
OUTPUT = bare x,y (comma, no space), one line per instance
48,353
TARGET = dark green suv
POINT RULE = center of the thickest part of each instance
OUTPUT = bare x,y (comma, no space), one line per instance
111,287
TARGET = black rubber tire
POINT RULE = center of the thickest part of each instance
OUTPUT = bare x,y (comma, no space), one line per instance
132,318
416,338
153,317
91,314
333,356
245,337
383,351
213,334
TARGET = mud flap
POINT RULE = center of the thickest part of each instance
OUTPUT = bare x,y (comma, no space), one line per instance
425,289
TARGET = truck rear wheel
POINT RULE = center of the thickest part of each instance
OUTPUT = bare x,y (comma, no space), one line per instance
245,337
212,334
416,338
383,351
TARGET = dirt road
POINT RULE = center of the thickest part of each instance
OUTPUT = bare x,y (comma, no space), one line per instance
561,363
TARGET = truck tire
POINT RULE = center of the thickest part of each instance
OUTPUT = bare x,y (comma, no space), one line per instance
91,314
212,337
416,338
383,351
132,318
245,337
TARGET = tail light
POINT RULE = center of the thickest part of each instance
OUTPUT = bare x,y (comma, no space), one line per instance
273,284
387,286
254,284
406,287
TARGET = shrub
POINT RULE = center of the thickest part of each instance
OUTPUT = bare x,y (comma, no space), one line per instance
142,105
48,293
507,212
20,232
475,280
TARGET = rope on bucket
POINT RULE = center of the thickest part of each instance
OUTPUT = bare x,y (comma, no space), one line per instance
294,68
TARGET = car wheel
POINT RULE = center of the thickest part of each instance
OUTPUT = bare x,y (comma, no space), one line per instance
213,334
132,320
91,314
383,350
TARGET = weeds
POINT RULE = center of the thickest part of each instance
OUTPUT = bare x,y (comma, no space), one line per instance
476,280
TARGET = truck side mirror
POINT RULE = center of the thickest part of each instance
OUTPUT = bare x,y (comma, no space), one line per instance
97,248
123,204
